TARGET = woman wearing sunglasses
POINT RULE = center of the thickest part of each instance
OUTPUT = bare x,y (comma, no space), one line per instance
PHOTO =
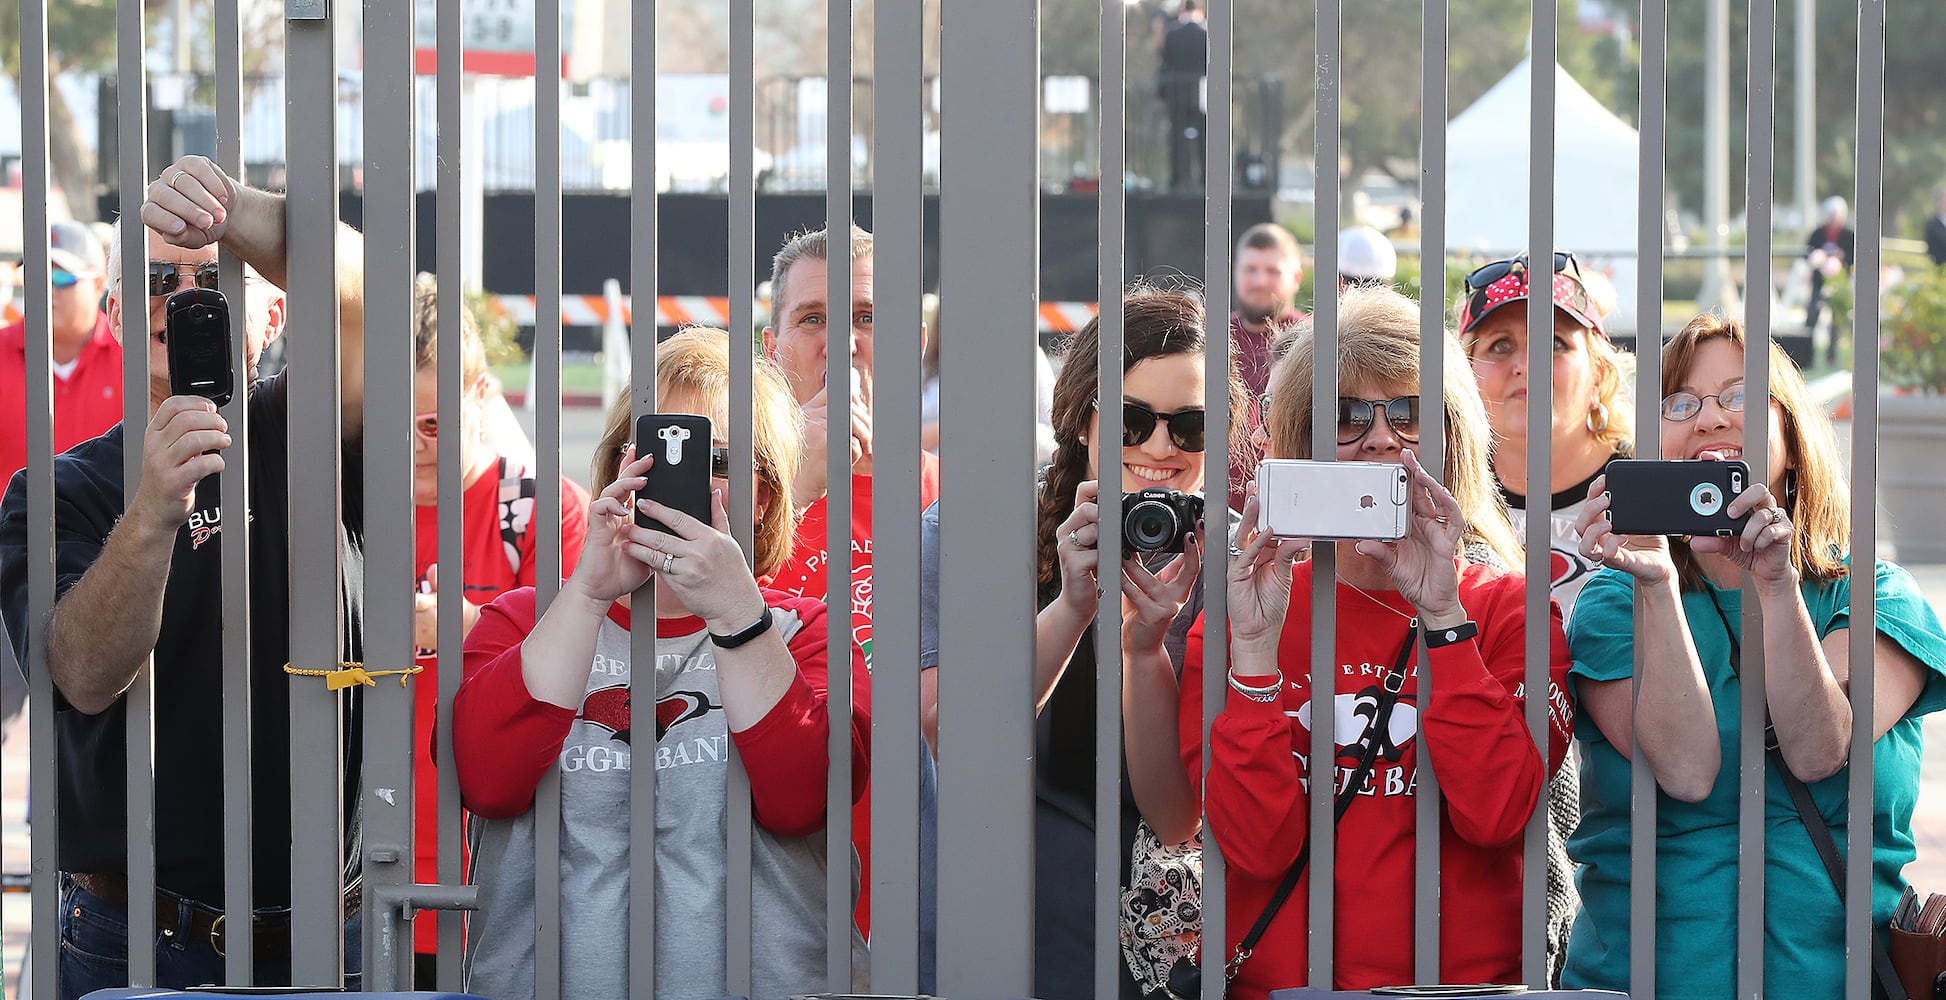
1793,553
1430,585
1591,424
501,542
735,666
1164,446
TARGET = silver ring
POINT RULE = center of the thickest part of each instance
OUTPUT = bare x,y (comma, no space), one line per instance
1776,515
1441,518
177,177
1074,539
668,561
1235,551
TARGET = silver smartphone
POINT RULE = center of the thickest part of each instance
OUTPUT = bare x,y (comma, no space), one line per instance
1300,498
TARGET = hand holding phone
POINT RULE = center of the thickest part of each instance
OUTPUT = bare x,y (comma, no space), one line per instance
196,335
1676,497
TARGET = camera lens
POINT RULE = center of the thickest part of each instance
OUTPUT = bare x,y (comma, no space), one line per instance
1150,525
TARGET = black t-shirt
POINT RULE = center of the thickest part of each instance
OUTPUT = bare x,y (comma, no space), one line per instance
189,696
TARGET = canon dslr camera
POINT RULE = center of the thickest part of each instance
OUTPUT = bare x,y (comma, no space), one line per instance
1156,520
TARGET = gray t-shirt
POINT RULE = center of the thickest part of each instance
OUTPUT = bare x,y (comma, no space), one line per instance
691,754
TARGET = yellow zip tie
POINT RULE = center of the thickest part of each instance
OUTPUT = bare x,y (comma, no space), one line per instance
349,674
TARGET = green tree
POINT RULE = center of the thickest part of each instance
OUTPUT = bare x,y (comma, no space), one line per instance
81,36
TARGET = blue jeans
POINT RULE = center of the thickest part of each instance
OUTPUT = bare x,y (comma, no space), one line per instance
94,946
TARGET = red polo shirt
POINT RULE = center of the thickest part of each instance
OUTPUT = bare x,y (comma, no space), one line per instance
86,403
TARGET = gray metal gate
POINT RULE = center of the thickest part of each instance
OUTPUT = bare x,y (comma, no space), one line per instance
989,226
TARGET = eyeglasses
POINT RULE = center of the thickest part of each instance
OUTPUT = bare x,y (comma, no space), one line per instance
1185,426
1681,406
1356,417
63,279
426,425
1486,274
165,277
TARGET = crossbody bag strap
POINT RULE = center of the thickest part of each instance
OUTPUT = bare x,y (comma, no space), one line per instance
1814,824
1389,692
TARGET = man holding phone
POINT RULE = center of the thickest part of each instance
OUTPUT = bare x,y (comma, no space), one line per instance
148,580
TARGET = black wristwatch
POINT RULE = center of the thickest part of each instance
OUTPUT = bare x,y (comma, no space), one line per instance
1436,638
741,636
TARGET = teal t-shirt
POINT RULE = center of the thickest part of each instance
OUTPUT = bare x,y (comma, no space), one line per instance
1696,855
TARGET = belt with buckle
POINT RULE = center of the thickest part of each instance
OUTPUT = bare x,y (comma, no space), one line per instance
271,937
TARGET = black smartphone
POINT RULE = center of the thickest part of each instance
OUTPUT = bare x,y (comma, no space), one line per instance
196,334
1654,497
679,478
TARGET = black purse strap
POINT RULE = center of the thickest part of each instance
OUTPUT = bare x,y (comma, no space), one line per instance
1389,693
1813,820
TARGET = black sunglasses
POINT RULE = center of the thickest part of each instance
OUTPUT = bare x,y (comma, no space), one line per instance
1486,274
719,463
1356,416
165,277
1185,426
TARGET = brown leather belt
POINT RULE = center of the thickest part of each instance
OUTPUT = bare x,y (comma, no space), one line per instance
271,931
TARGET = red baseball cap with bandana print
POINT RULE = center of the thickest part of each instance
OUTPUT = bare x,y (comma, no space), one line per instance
1570,293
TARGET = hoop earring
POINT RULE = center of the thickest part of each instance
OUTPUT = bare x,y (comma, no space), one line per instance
1790,491
1597,418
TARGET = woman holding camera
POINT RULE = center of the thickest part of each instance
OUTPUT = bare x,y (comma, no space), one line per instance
1429,584
1163,447
1792,555
735,665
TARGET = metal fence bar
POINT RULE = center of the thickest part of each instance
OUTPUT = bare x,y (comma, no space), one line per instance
1759,132
738,926
547,429
1859,925
1111,228
132,141
1643,793
1324,418
837,525
1432,366
642,260
1540,455
449,268
388,791
44,857
316,506
239,958
1218,185
989,263
898,200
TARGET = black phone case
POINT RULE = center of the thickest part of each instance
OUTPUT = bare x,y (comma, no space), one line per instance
196,322
679,477
1675,497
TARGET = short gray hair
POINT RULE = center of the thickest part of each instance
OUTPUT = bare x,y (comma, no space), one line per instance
807,245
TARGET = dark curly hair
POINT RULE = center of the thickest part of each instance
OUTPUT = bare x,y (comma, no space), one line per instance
1156,322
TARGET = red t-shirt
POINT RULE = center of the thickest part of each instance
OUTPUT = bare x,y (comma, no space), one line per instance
1490,775
86,403
804,575
500,555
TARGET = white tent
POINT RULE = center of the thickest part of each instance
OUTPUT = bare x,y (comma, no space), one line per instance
1594,181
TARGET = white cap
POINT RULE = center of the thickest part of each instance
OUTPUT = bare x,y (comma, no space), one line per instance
1364,252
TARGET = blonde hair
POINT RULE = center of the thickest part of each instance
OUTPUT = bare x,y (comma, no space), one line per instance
696,363
425,333
1378,343
1815,494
